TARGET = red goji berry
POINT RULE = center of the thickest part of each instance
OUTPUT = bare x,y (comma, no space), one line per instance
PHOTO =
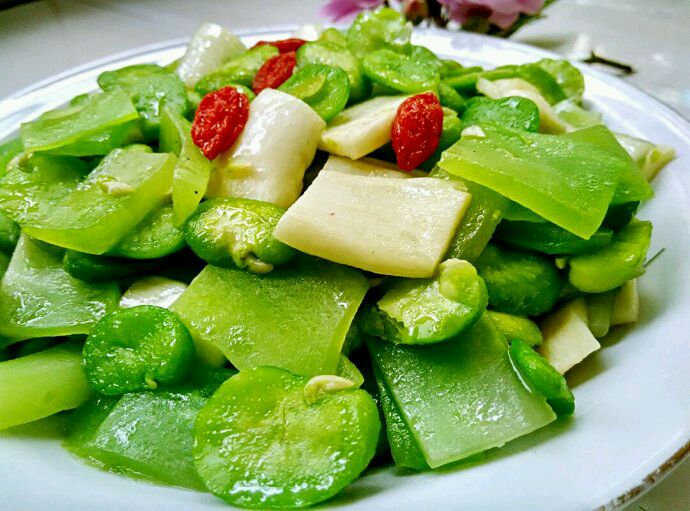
284,45
416,130
274,72
219,120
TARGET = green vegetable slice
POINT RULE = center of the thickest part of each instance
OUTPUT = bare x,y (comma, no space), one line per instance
514,112
400,72
136,349
38,298
404,448
42,384
95,126
330,54
151,87
237,232
147,434
8,150
566,180
192,170
311,303
324,88
549,238
155,236
615,264
568,77
373,30
449,414
98,211
425,311
519,282
542,378
239,70
516,328
282,450
632,184
9,234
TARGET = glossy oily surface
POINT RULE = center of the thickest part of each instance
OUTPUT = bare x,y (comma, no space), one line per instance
650,421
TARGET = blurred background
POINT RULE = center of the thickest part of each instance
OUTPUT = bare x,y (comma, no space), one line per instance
41,38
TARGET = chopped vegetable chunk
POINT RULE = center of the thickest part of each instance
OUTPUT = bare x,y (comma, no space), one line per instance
295,317
326,221
460,397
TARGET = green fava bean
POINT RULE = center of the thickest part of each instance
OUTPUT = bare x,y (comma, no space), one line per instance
549,238
292,442
450,133
400,72
516,328
514,112
238,232
150,87
324,88
331,54
424,311
237,71
156,236
542,378
96,268
450,98
373,30
136,349
615,264
334,36
568,77
519,282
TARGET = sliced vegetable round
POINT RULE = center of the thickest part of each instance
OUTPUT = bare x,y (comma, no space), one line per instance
519,282
331,54
542,378
400,72
416,130
324,88
291,442
219,120
136,349
237,232
274,72
156,236
425,311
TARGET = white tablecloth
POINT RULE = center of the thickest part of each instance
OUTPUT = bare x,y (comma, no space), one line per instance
40,39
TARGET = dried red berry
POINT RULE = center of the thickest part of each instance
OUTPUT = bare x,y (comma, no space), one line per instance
274,72
416,130
219,120
284,45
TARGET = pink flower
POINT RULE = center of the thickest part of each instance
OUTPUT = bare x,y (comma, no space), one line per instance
337,10
502,13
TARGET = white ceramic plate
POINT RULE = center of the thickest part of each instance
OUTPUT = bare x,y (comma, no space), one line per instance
632,421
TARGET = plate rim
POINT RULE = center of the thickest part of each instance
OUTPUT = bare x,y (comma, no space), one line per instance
673,120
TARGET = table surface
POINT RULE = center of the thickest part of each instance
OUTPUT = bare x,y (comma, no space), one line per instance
40,39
